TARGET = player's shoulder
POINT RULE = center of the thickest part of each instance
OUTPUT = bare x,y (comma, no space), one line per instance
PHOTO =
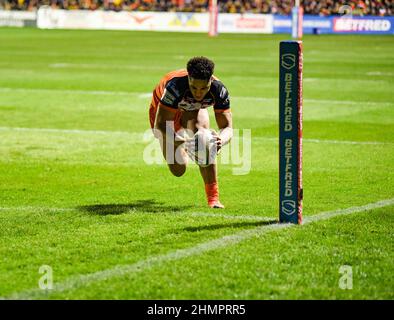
218,89
175,86
176,81
175,76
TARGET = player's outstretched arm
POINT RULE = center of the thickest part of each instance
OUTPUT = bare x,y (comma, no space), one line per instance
225,125
163,115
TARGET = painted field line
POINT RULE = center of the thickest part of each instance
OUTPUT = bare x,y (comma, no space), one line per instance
245,59
70,91
328,141
140,136
379,73
145,95
79,281
180,57
346,142
325,101
135,135
329,214
38,161
62,65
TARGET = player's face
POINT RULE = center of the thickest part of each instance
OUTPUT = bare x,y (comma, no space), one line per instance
199,88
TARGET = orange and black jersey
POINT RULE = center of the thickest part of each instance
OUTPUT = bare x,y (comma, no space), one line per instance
174,93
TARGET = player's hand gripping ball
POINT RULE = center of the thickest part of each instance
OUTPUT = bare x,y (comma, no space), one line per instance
203,147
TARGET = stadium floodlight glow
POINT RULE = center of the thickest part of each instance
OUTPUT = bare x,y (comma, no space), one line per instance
290,132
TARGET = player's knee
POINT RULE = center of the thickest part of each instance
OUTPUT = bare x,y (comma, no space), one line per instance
177,170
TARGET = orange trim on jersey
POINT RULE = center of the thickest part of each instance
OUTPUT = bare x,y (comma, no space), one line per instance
159,89
222,110
171,75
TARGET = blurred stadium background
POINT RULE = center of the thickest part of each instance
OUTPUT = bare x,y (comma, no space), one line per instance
77,196
324,7
257,16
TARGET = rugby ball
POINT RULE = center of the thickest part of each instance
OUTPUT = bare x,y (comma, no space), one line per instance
202,149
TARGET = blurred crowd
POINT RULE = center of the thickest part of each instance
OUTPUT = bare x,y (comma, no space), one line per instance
323,7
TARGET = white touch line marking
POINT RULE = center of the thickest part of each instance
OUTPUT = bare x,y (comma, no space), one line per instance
140,136
79,281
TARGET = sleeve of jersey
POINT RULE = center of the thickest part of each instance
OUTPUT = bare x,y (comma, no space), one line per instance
169,100
222,99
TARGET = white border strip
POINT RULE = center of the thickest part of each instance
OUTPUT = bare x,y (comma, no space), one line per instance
79,281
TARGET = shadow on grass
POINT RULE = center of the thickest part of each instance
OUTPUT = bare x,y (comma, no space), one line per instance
149,205
230,225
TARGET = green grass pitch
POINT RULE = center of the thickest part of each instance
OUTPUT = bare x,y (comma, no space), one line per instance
77,195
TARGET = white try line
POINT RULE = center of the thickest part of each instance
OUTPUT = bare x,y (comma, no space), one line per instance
80,281
145,95
141,136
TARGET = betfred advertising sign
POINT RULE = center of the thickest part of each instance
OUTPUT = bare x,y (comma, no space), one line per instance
337,24
245,23
362,25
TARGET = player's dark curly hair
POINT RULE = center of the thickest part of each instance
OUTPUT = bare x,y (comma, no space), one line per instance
200,68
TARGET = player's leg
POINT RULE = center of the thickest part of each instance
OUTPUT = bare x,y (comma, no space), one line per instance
176,157
209,173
